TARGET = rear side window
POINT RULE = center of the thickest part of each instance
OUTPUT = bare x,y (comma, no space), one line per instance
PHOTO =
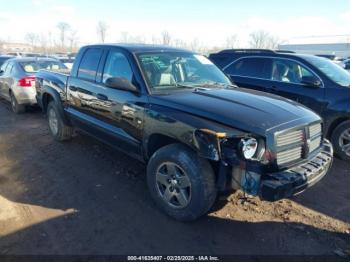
89,64
35,66
9,68
3,66
250,67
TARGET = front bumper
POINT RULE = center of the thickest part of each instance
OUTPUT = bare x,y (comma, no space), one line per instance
293,181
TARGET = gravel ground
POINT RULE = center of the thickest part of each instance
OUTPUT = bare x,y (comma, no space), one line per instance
82,197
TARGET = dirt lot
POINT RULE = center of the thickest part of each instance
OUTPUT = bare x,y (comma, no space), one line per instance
82,197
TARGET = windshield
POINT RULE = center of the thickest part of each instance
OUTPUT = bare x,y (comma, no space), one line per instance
330,69
35,66
180,70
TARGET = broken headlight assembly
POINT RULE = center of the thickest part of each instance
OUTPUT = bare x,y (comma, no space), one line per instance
251,148
248,147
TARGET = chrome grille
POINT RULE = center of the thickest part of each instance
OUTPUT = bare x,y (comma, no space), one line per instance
289,155
315,132
291,146
290,138
314,144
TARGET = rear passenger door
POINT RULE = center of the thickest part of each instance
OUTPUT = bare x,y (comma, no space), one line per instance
250,72
286,76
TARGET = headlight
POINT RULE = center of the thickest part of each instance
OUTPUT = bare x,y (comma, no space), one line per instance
248,147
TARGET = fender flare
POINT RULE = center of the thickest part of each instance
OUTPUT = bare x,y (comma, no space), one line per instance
49,91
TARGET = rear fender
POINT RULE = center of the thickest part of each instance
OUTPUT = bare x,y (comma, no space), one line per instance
53,95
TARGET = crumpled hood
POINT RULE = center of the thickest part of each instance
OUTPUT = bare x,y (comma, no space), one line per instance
244,109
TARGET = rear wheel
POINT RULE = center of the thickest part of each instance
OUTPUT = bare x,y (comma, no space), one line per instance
16,108
58,129
341,140
181,183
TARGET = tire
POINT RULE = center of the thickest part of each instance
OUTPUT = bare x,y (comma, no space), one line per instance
58,129
16,108
341,140
201,192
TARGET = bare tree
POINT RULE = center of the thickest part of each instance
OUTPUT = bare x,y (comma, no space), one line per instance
124,37
155,40
232,41
1,45
166,38
102,31
63,27
262,39
43,44
194,45
31,38
73,38
179,43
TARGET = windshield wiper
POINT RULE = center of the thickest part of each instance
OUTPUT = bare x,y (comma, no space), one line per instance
184,86
217,84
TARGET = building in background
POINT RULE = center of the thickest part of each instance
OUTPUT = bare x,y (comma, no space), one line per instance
336,45
15,47
338,49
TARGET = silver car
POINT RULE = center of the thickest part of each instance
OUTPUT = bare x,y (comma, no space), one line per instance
17,80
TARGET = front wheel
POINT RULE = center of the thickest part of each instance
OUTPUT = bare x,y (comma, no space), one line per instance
341,140
181,183
58,129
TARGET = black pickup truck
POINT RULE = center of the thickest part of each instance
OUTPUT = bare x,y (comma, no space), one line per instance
199,134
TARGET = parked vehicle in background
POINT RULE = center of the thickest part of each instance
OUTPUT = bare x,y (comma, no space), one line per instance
68,62
198,134
17,80
26,54
310,80
346,64
4,58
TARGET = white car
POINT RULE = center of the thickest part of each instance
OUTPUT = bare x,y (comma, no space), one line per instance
17,80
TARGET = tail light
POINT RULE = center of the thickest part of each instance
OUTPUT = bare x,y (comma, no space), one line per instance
26,81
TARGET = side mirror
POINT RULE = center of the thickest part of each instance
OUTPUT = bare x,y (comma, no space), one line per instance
311,81
347,66
1,72
121,83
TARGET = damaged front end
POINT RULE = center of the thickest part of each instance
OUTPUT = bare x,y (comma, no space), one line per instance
244,162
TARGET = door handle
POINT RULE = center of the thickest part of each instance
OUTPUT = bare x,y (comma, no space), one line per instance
73,88
102,97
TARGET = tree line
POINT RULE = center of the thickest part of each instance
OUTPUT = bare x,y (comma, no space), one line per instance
66,39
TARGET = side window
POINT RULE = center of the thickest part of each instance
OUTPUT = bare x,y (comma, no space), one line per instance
89,64
117,65
3,67
250,67
9,68
288,71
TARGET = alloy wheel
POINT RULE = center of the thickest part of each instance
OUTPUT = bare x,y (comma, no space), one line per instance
344,141
173,185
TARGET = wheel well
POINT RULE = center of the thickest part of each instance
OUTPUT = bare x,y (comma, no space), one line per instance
334,125
157,141
47,98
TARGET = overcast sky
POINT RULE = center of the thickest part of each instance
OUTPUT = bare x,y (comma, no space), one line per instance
211,22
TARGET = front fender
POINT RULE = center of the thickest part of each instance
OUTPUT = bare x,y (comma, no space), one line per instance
202,135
